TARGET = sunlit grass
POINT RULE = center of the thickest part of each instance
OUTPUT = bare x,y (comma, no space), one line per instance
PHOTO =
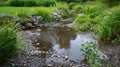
26,10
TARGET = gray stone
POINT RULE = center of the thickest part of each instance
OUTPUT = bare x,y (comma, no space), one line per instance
29,24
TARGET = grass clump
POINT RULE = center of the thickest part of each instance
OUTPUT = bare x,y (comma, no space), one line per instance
10,44
90,15
109,28
110,3
44,13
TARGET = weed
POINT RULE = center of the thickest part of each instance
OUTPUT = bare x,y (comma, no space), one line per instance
91,54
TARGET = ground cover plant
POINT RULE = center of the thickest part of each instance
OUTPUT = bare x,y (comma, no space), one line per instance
10,44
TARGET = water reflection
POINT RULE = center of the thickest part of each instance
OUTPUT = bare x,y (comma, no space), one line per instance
64,41
61,36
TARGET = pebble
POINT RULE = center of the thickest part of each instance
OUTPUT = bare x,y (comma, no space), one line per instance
43,52
46,52
29,25
37,44
66,57
38,30
49,65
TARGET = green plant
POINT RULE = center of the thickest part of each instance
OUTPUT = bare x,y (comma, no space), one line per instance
71,5
97,8
9,43
30,3
72,1
46,3
109,28
91,54
43,12
78,8
82,18
110,2
65,11
85,26
16,2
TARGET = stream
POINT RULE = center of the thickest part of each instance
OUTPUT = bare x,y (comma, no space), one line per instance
52,46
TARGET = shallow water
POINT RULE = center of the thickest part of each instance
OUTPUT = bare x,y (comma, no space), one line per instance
62,44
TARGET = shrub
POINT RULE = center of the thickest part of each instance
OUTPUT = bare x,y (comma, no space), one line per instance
91,54
82,18
71,0
78,8
46,3
16,2
43,12
110,2
85,26
109,28
65,11
9,43
71,5
30,3
97,8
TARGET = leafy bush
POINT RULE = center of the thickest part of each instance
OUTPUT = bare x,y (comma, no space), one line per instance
71,0
109,28
110,2
78,8
9,43
46,3
97,8
65,11
91,54
82,18
43,12
16,2
29,3
85,26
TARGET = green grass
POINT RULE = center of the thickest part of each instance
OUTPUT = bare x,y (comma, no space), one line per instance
25,10
10,43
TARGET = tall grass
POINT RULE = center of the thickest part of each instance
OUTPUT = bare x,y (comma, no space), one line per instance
109,28
10,44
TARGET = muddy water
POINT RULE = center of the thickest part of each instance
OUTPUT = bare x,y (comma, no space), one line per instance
61,44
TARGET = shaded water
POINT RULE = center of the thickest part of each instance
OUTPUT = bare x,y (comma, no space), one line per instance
61,43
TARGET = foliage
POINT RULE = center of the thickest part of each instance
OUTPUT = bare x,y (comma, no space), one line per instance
64,9
82,18
46,3
91,53
90,15
78,8
24,11
10,45
16,2
110,2
85,22
44,13
97,8
30,3
109,28
85,26
77,1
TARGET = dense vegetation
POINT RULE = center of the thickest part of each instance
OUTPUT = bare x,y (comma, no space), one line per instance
29,3
10,43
